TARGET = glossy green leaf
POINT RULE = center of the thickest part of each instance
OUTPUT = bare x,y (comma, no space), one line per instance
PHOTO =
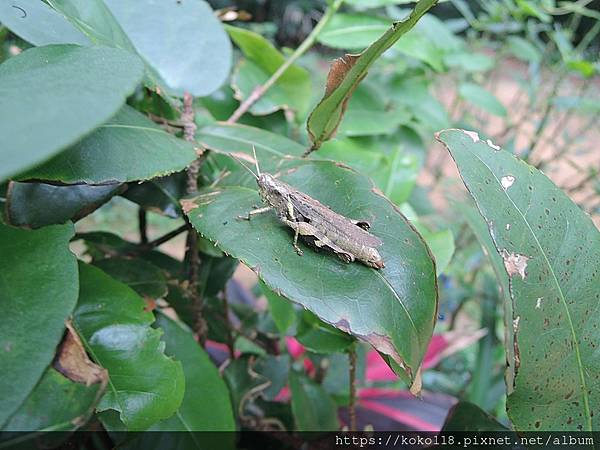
282,310
353,31
441,244
140,275
347,72
160,195
320,337
35,205
550,250
129,147
226,138
55,404
145,386
38,287
482,98
38,24
94,19
313,408
61,82
393,309
206,405
292,89
183,41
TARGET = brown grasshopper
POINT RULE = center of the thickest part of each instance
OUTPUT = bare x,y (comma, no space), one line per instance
318,225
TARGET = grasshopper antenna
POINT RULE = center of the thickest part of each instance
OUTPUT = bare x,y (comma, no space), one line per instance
256,160
244,165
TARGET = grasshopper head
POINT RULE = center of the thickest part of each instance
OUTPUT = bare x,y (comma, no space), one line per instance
271,190
374,259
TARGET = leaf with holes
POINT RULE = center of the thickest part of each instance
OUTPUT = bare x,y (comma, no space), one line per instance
393,309
550,250
144,386
348,71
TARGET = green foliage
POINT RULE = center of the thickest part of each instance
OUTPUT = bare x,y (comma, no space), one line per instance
36,300
39,24
346,74
66,80
291,90
128,147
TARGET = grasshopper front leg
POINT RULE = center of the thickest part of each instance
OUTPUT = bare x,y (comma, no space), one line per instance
254,212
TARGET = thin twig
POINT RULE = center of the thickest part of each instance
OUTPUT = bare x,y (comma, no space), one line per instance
143,225
352,401
192,255
259,91
166,237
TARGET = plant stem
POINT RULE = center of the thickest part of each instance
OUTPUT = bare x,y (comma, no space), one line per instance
191,253
143,225
260,90
166,237
352,401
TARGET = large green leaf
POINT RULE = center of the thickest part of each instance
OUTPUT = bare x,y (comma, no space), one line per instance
393,309
35,205
550,250
183,41
313,408
206,405
145,386
347,72
140,275
38,24
61,82
480,230
129,147
38,291
55,404
292,89
94,19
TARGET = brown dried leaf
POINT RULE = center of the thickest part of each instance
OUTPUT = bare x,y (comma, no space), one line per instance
73,362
